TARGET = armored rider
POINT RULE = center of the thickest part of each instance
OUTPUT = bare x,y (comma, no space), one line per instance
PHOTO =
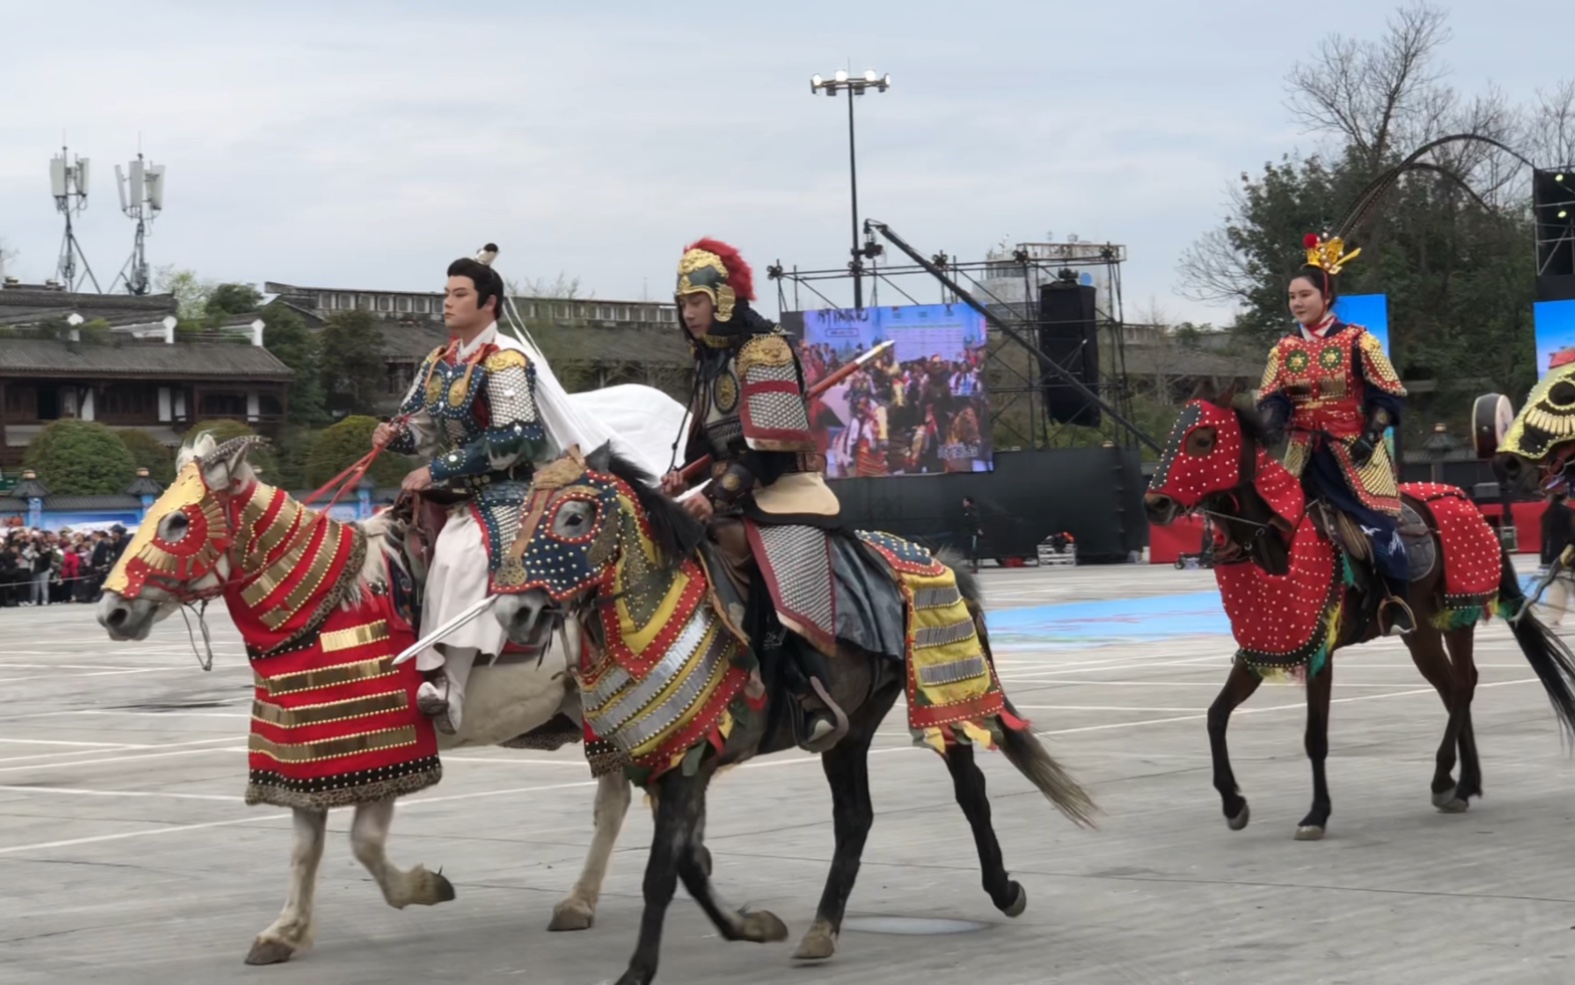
1330,386
472,413
767,506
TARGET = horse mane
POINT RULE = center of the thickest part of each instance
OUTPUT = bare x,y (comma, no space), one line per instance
675,533
1233,398
1252,426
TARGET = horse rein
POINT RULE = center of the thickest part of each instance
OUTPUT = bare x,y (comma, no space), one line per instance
1249,473
197,601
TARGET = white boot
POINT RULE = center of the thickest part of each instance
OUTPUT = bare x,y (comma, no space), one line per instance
443,698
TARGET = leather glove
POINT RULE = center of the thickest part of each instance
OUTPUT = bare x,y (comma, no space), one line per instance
1364,448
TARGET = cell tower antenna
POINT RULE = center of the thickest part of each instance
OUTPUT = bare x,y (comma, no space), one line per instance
68,181
141,188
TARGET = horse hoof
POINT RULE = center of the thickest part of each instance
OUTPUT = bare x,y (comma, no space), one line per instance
1309,832
429,888
572,915
269,952
763,927
1454,806
1442,798
442,888
1240,820
818,945
1019,904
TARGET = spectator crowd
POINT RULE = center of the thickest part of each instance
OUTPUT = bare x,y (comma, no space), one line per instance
46,567
903,418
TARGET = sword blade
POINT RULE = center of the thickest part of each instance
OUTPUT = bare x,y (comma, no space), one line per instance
464,618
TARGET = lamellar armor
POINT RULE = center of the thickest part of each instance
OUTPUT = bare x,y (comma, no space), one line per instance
749,415
475,418
1340,389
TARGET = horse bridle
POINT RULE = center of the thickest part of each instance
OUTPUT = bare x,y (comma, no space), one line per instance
1248,474
195,602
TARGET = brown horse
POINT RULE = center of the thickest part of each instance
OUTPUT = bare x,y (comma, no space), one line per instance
1294,595
609,557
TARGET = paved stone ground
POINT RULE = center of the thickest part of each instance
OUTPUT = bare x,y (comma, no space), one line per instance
126,855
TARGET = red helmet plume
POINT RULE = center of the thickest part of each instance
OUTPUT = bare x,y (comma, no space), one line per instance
739,276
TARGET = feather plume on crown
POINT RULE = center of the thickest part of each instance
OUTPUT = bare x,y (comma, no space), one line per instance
1328,254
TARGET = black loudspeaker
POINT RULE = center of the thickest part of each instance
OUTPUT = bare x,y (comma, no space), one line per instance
1069,335
1553,204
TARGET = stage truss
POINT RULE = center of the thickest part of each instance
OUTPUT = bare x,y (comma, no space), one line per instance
1014,369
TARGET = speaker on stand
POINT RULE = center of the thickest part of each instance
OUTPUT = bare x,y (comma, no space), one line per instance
1069,335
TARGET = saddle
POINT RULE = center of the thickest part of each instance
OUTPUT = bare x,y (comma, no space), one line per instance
1417,528
423,515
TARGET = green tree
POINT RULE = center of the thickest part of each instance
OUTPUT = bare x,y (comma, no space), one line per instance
286,336
148,453
294,449
352,367
81,458
96,331
191,291
338,447
263,459
232,299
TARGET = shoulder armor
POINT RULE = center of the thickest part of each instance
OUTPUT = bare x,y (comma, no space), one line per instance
501,359
764,350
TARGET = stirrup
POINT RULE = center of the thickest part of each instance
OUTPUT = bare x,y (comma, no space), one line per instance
839,720
1389,625
440,707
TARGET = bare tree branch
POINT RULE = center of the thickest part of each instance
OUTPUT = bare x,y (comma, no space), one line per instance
1402,76
1374,96
562,287
1214,271
1551,140
1326,95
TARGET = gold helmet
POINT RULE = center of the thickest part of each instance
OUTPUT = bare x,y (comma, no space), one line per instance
715,269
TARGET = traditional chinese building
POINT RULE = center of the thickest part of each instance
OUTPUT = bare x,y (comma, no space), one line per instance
590,343
155,386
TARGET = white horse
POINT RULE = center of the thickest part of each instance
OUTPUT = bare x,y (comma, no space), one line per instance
193,544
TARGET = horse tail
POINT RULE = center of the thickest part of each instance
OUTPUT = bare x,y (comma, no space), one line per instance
1024,751
1548,655
1017,739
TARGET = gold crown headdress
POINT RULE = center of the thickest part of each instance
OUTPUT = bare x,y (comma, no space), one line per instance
1328,253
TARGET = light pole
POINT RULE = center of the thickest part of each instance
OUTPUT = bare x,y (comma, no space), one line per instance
854,87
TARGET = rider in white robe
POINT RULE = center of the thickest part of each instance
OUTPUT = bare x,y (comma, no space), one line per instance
483,410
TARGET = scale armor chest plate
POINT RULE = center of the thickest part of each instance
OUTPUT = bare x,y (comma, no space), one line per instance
721,400
450,400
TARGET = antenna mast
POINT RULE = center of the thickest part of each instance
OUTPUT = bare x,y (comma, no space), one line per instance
69,183
141,189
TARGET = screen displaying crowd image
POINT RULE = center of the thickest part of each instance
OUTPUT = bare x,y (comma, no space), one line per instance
919,408
1371,311
1555,326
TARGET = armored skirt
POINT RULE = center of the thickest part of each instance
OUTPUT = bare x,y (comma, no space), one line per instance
456,580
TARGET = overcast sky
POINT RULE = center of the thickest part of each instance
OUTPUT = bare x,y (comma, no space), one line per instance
361,144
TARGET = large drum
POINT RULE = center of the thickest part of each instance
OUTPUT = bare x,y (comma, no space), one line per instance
1491,416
